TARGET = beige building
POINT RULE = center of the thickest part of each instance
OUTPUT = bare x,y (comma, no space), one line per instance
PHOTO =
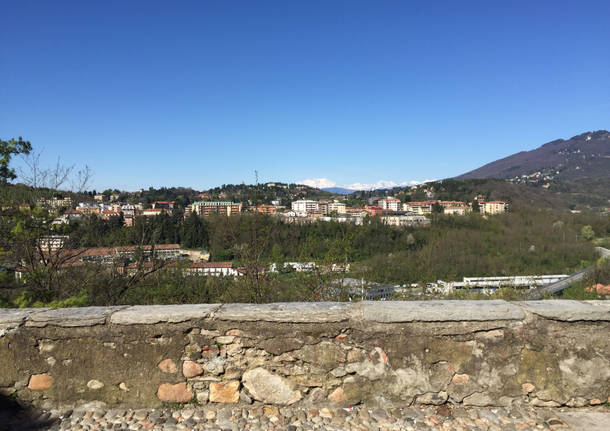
457,210
206,208
418,207
336,207
495,207
265,209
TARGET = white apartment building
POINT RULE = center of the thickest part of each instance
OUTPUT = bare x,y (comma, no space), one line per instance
390,204
50,243
212,268
305,207
457,210
404,220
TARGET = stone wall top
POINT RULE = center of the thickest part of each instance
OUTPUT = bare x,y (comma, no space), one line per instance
313,312
296,312
440,311
71,317
13,317
149,314
570,311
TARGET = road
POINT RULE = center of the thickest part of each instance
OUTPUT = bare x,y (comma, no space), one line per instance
553,288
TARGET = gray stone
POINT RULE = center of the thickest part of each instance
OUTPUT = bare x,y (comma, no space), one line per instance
71,317
215,366
244,398
439,311
269,388
339,372
478,399
140,415
373,367
12,318
569,310
149,314
298,312
586,420
433,398
91,405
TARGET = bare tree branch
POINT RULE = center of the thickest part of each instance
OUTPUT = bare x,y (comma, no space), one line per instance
81,181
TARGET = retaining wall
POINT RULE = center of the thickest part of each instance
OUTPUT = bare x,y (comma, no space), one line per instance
546,353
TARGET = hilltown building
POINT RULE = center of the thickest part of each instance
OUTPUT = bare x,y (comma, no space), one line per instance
305,206
55,203
151,212
373,210
336,207
457,210
216,269
164,204
406,220
390,204
205,208
265,209
50,243
212,268
419,207
88,209
67,217
106,214
495,207
129,214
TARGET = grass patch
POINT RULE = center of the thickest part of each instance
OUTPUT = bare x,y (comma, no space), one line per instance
577,291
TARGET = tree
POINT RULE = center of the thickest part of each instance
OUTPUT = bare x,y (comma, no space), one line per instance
587,232
437,208
55,177
8,149
277,256
194,232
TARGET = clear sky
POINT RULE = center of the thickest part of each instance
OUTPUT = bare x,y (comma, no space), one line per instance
203,93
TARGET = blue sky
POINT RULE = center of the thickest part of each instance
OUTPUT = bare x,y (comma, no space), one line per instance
203,93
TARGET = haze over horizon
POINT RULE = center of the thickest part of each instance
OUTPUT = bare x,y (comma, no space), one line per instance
342,93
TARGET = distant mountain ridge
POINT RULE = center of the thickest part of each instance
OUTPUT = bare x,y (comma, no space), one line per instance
583,156
339,190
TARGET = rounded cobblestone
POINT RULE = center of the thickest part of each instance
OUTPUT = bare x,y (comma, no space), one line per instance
358,418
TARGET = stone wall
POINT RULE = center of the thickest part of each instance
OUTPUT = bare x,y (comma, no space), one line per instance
546,353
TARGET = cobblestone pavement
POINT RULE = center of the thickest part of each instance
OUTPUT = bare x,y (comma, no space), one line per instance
360,418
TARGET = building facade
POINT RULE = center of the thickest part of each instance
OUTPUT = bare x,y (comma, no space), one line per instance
495,207
390,204
205,208
305,207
